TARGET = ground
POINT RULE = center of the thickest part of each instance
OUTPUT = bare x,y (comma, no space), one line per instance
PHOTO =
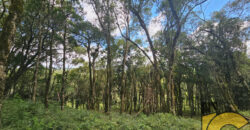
26,115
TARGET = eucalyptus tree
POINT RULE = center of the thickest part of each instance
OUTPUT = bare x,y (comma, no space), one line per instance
42,16
25,48
224,42
92,39
67,11
51,26
140,10
103,10
176,14
57,19
124,14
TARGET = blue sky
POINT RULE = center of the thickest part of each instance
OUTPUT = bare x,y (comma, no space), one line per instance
209,7
213,5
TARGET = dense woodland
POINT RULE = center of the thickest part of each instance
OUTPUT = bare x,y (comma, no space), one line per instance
52,54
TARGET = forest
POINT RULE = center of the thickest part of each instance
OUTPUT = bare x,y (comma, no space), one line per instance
122,64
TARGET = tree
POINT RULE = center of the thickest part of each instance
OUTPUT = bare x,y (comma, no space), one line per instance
91,38
103,11
7,33
39,46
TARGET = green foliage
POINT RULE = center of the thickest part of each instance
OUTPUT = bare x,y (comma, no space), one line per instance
20,114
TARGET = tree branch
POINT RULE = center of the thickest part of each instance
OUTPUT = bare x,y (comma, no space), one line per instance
143,51
4,9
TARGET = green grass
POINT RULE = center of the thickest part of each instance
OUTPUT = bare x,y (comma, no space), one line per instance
25,115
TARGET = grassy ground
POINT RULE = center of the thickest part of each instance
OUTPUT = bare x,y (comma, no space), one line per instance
25,115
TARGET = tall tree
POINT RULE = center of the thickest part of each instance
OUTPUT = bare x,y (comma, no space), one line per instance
103,10
177,13
52,25
6,36
41,20
91,38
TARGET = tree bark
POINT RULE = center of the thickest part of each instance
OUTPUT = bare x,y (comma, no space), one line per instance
91,87
190,89
180,99
108,89
64,73
46,94
123,84
37,62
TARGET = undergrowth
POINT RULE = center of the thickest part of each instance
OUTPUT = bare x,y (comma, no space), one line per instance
18,114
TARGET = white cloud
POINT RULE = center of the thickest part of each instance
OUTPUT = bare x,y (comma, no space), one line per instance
155,24
91,16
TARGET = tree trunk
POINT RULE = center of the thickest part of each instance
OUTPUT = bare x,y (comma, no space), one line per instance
46,96
64,73
47,87
170,87
109,66
37,62
190,90
93,88
123,84
135,93
90,98
180,99
108,89
94,101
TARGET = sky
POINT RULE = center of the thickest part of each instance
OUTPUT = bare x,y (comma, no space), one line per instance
213,5
155,25
208,7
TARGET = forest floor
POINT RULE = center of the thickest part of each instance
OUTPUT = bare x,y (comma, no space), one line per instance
20,114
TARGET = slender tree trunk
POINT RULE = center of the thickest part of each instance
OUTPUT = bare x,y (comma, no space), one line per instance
135,92
90,98
123,84
48,82
191,97
170,87
72,102
94,101
64,73
93,89
37,62
180,99
108,89
46,94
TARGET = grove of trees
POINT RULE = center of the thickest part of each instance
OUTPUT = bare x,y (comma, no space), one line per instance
50,52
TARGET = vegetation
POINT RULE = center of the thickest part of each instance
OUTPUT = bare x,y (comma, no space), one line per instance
21,114
113,72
